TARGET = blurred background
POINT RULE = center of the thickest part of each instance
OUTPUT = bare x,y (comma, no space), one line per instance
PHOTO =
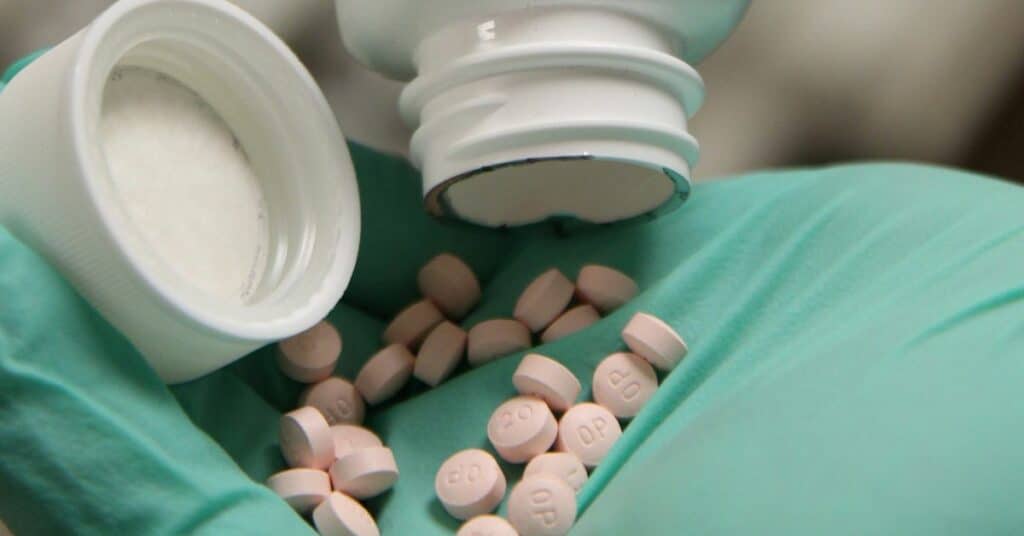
801,82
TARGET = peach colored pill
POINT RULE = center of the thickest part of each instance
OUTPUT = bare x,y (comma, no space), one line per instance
486,525
623,383
654,340
470,483
337,399
306,439
491,339
450,284
564,465
385,373
349,438
365,473
440,353
605,288
303,489
544,299
341,515
542,505
412,324
547,379
588,431
571,321
522,428
311,355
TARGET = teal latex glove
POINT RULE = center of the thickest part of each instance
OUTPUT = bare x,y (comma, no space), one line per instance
856,356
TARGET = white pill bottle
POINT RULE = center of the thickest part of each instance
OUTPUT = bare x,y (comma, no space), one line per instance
526,110
179,166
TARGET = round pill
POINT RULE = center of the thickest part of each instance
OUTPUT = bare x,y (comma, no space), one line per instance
522,428
337,399
486,525
349,438
564,465
542,505
654,340
385,373
306,439
412,324
341,515
470,483
605,288
311,355
440,353
303,489
544,299
623,383
365,473
450,284
491,339
547,379
588,431
571,321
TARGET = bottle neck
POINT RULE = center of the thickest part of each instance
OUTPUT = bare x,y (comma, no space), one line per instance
537,113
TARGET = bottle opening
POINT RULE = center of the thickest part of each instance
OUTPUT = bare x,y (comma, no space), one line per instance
595,190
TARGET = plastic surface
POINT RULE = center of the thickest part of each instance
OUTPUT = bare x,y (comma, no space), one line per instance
853,331
526,110
55,192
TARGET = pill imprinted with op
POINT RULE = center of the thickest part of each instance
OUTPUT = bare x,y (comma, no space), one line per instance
564,465
365,473
547,379
412,324
623,383
571,321
542,505
654,340
349,438
440,353
588,431
450,284
337,399
341,515
522,428
487,525
544,299
491,339
306,439
303,489
605,288
470,483
311,355
385,373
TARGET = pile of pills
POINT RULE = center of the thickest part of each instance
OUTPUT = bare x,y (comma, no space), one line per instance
335,462
559,451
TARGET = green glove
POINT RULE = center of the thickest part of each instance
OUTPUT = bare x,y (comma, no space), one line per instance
856,344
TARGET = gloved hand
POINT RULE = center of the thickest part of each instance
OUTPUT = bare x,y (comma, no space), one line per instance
856,340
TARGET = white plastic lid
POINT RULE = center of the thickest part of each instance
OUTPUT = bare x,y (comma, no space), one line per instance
526,111
61,199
